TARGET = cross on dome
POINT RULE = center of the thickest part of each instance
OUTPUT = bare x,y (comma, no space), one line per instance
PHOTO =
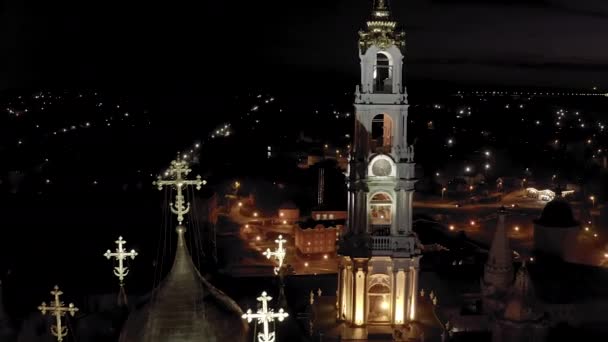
279,253
58,309
121,254
265,316
177,171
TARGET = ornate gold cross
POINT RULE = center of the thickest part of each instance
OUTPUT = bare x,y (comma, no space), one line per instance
121,254
179,168
58,309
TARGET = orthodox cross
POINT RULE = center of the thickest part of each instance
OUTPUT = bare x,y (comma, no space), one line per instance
265,316
58,309
121,254
279,253
178,170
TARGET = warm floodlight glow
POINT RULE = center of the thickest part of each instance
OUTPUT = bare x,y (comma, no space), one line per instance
385,305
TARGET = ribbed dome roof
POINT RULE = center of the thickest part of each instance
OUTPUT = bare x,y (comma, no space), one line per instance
186,308
557,213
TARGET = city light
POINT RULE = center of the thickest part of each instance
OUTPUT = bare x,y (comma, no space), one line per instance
451,227
240,204
255,214
306,264
258,238
516,228
325,256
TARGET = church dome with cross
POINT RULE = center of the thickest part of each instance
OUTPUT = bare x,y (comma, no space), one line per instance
185,307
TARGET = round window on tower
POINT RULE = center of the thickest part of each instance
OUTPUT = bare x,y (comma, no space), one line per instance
382,168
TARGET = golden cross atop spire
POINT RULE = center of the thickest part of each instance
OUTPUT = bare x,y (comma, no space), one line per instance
381,10
265,316
178,170
381,30
279,253
121,254
58,309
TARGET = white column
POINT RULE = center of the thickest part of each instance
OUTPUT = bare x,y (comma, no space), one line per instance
351,209
414,292
400,296
401,206
361,212
359,297
409,197
348,293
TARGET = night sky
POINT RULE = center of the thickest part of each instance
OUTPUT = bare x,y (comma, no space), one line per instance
178,47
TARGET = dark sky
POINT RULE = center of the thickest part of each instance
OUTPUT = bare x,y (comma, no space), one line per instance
185,45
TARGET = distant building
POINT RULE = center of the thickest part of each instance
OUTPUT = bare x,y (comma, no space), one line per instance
289,212
315,237
328,215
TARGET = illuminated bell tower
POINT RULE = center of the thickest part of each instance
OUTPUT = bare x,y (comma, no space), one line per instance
379,254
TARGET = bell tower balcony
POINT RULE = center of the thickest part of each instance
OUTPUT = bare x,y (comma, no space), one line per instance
394,245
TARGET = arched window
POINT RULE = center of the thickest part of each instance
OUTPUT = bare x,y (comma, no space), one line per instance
379,298
383,74
381,214
382,133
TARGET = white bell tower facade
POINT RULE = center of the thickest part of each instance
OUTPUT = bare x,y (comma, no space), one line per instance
379,254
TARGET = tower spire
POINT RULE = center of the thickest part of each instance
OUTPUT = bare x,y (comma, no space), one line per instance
381,9
381,30
520,306
499,266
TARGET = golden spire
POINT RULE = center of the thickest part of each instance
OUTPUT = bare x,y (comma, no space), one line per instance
381,9
381,29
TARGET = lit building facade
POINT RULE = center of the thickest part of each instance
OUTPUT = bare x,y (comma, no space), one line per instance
318,239
379,253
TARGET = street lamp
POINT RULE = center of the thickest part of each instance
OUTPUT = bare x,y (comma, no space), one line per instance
592,198
443,190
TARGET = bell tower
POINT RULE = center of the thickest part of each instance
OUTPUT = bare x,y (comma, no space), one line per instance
379,254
